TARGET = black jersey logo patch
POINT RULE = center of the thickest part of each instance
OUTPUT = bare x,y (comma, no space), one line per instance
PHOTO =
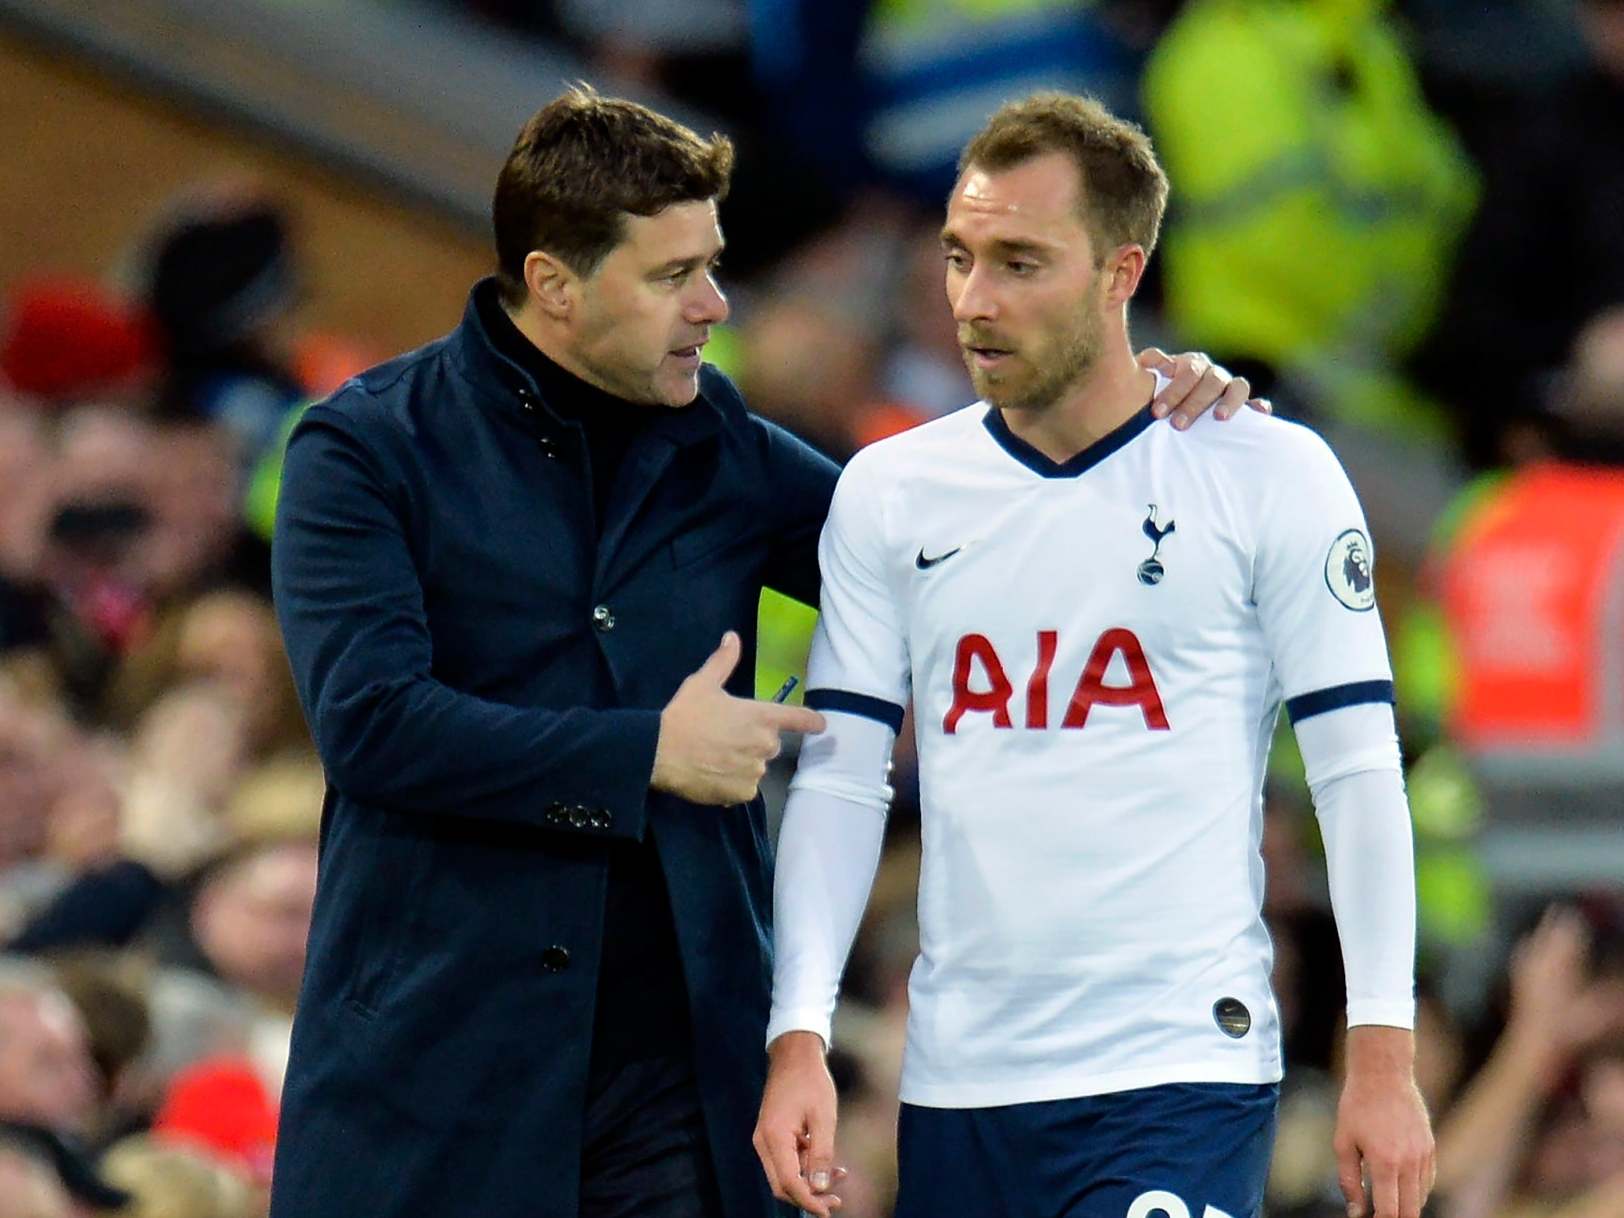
1347,571
1151,570
1232,1017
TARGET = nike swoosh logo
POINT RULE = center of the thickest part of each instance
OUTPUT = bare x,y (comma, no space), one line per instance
925,564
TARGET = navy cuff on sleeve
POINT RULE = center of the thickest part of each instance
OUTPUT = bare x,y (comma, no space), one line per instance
878,709
1306,706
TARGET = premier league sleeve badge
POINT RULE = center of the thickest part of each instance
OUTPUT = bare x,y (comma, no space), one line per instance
1347,571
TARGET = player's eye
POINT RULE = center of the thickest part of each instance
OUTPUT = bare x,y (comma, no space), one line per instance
1021,266
957,259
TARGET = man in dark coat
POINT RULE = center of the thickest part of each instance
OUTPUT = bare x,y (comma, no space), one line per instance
517,572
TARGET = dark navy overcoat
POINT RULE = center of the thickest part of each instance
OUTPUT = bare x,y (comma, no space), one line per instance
483,674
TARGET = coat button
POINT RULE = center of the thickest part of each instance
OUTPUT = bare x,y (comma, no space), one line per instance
555,959
603,618
527,399
578,817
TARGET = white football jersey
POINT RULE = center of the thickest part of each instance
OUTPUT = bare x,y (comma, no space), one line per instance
1096,653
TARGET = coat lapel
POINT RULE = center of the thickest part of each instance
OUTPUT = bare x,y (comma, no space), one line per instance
686,434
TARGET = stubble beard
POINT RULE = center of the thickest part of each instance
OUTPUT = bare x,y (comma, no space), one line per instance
624,373
1054,373
634,384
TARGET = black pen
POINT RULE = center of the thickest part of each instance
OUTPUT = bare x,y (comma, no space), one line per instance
786,689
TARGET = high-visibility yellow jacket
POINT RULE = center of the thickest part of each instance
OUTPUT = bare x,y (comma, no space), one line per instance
1316,199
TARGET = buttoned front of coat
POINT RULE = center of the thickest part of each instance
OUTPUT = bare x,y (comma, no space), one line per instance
483,669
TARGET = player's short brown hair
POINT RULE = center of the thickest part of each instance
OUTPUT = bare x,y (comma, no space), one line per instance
1124,190
582,164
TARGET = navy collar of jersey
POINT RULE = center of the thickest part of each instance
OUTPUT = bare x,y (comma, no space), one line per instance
1079,463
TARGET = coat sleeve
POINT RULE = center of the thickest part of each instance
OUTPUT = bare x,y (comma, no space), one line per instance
352,612
801,482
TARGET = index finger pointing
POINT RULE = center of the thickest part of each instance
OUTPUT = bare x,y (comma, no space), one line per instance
791,718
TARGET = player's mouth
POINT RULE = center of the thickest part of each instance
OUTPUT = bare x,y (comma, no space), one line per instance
988,357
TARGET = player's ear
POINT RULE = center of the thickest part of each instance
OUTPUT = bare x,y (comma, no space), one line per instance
1122,272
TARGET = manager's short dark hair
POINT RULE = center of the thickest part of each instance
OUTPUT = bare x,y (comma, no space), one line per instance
581,165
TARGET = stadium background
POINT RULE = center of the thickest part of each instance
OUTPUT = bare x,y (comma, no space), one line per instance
1404,220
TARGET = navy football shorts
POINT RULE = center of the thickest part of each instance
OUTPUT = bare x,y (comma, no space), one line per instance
1184,1150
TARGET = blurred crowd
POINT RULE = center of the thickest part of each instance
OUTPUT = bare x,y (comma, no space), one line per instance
159,795
1403,221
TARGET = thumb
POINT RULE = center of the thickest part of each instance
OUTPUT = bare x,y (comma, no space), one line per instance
820,1150
719,667
1351,1178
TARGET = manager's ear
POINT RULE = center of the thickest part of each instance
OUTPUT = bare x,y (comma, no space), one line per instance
551,283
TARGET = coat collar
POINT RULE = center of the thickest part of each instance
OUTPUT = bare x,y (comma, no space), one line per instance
506,389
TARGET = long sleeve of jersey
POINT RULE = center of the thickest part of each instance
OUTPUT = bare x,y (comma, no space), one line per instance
834,822
1365,822
828,851
1315,596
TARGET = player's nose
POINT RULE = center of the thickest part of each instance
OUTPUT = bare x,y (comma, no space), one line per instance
974,300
